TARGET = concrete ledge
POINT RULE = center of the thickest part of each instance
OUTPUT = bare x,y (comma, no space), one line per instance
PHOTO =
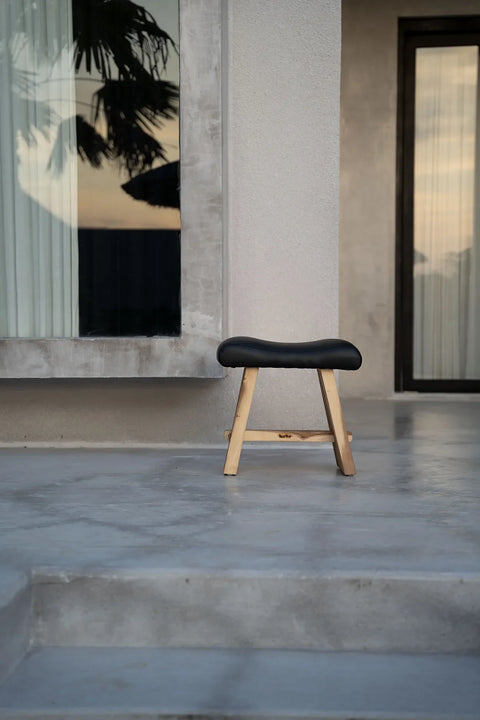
248,645
413,612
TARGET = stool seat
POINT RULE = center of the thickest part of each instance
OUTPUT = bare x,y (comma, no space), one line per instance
333,354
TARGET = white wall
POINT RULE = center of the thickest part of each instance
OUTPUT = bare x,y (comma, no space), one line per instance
281,262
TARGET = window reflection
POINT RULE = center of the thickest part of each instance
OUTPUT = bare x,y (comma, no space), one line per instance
90,107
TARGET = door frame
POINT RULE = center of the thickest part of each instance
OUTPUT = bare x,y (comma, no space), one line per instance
414,33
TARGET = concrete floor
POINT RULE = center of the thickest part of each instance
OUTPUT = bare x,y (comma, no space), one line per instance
242,685
288,591
414,504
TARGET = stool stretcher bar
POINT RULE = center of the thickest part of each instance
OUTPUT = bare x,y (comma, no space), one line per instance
287,436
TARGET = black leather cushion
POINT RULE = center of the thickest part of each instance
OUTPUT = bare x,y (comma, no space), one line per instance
323,354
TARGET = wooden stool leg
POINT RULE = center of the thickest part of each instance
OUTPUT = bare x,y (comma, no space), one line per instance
240,423
336,423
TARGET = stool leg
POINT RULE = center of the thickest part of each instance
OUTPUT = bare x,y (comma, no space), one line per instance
240,423
336,423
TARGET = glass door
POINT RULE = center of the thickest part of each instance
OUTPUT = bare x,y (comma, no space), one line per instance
438,341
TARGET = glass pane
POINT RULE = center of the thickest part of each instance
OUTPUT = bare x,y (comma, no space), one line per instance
89,148
446,220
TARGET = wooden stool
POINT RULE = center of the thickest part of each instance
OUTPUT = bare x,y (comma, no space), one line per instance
325,356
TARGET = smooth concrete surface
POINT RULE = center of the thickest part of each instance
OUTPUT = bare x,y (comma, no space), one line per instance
414,504
157,548
368,176
154,683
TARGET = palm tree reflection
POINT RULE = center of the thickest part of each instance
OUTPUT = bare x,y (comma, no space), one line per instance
120,43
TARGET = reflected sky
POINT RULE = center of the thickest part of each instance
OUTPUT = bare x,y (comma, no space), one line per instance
101,201
445,135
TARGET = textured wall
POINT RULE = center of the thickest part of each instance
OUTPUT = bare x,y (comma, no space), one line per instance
282,111
367,180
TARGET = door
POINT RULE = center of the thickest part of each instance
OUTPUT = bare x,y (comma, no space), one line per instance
438,232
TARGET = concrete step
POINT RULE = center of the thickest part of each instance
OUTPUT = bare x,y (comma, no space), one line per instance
129,645
140,683
375,612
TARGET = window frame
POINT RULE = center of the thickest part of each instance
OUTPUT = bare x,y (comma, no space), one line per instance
193,353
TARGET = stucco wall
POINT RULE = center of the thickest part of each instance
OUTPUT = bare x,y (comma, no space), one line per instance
281,240
367,180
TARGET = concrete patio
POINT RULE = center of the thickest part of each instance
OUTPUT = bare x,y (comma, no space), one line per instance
140,583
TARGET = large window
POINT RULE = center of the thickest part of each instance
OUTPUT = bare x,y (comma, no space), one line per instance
89,233
89,243
438,339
